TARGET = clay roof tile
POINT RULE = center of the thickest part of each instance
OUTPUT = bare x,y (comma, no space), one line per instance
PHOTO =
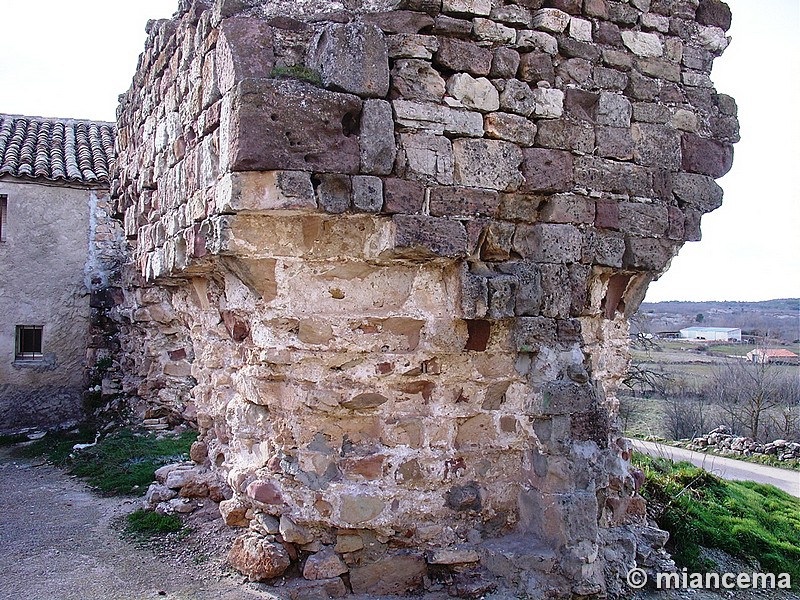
56,149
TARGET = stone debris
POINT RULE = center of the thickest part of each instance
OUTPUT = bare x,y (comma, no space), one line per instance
721,440
382,256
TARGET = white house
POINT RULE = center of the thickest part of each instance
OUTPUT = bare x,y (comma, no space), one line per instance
717,334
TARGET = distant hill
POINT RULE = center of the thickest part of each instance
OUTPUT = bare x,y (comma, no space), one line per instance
778,320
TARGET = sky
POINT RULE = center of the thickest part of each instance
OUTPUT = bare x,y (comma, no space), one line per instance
73,58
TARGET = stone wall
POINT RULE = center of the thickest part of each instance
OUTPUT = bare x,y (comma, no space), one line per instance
383,253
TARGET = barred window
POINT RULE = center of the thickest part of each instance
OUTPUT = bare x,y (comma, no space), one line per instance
29,342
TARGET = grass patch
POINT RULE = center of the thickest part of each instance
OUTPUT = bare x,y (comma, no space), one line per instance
744,519
147,523
122,463
297,72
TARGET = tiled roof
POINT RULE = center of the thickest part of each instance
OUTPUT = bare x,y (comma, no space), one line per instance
777,353
56,149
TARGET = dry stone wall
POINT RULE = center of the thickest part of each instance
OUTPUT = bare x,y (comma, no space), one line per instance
383,252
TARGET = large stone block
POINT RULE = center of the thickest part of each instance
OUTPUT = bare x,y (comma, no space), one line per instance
426,157
290,125
491,164
612,176
398,574
706,157
417,80
271,190
549,242
656,146
257,557
697,191
547,170
511,128
352,58
464,56
438,119
637,218
378,147
478,94
244,51
421,236
465,202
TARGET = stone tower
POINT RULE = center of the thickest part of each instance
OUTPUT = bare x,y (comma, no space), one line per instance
383,253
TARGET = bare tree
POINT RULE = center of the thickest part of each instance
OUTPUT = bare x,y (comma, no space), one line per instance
747,393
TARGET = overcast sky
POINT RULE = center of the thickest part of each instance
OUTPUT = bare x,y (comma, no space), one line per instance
72,58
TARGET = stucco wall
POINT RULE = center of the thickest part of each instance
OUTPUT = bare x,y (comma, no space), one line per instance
44,282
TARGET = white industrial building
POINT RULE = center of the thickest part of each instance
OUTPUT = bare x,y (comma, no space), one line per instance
716,334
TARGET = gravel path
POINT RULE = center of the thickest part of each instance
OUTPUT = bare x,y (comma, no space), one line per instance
59,543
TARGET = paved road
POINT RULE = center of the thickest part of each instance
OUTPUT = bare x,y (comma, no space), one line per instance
727,468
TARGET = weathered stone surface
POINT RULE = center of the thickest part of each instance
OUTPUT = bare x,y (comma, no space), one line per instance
656,146
486,30
478,94
546,170
262,191
698,191
464,56
365,401
704,156
377,145
352,58
312,129
642,219
614,142
426,157
551,20
324,564
517,97
417,80
438,119
400,21
367,193
511,128
410,45
714,13
429,236
537,66
563,135
505,63
257,558
458,201
648,253
333,193
400,286
244,51
612,176
403,196
264,492
356,509
642,44
398,574
614,110
549,243
489,164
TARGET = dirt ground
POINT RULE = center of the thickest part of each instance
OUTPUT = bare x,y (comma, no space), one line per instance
61,542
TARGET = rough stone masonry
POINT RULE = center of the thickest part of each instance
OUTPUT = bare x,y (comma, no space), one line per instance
383,253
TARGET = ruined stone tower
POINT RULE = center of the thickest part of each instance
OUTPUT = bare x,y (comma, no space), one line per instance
383,252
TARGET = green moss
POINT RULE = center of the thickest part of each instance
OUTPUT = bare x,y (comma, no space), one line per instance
147,523
744,519
297,72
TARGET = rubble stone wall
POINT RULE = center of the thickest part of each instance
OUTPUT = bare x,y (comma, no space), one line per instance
383,253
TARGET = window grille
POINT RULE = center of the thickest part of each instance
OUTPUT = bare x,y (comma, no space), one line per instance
29,342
